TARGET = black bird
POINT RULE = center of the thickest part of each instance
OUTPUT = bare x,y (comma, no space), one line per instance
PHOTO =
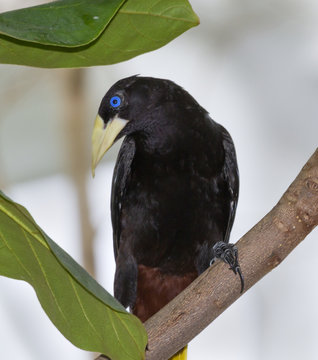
174,192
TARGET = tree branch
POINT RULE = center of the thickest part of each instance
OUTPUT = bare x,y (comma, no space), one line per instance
260,250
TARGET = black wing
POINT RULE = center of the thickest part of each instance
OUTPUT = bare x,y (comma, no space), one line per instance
121,178
231,175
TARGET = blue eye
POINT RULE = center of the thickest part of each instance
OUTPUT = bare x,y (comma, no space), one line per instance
115,101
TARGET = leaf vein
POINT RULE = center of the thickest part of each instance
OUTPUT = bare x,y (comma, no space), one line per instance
83,310
14,254
154,5
144,13
115,330
129,332
45,278
22,224
141,33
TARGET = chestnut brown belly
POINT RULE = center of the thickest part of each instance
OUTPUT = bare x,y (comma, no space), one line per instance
155,289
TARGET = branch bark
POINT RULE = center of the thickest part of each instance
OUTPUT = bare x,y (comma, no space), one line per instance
260,250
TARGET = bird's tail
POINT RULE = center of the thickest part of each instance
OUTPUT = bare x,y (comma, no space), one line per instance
180,355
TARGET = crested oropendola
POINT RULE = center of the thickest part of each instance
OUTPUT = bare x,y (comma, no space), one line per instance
174,192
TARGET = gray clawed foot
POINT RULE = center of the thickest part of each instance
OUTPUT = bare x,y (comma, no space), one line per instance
229,254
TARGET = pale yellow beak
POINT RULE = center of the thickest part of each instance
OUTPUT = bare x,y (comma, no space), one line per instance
103,137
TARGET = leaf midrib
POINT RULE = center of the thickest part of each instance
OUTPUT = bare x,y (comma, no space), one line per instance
23,225
145,13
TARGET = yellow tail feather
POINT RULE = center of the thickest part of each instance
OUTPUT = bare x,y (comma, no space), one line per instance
180,355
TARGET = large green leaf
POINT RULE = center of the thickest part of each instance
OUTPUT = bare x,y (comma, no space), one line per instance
77,305
137,27
63,23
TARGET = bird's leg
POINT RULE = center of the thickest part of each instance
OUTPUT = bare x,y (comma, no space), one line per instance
229,254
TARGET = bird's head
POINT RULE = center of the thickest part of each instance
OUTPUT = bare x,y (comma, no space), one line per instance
130,106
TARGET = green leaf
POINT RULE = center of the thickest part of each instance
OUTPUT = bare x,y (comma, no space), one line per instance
63,23
137,27
78,306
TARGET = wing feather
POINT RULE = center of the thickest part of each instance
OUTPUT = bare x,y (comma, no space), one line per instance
121,178
231,175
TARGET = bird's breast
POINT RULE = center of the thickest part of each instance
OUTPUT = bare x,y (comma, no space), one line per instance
167,212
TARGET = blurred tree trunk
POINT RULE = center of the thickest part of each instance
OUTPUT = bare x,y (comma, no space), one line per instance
76,127
10,96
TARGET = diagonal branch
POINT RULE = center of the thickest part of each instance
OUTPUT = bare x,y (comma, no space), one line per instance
260,251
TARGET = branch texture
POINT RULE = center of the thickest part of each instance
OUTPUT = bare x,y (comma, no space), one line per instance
260,250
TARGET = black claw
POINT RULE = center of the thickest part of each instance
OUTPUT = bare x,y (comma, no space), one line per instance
241,277
229,254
